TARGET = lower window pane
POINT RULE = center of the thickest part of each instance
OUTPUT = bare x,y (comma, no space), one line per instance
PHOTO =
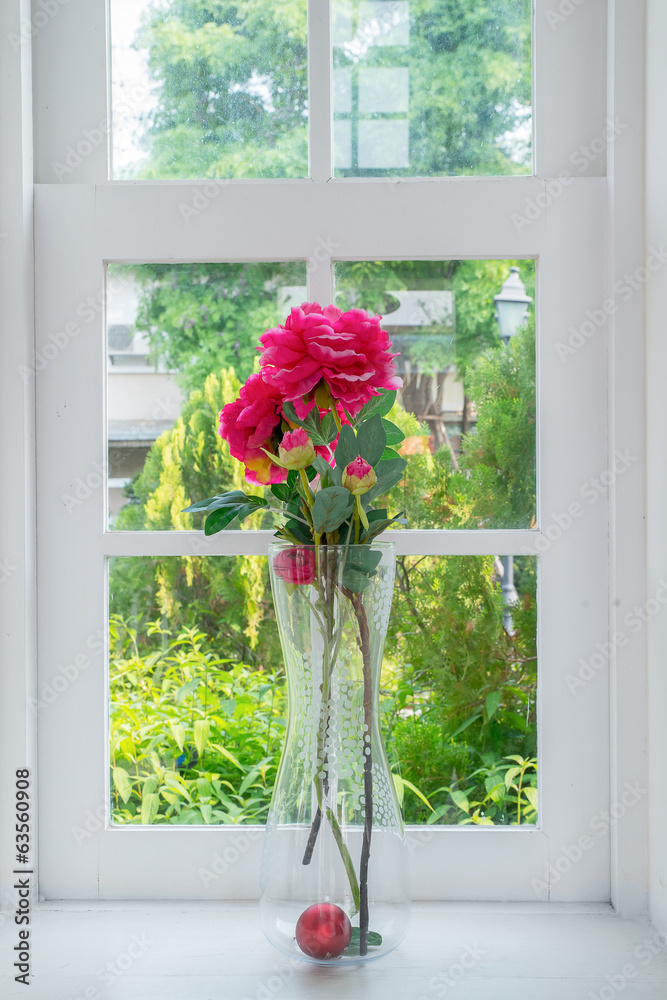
198,696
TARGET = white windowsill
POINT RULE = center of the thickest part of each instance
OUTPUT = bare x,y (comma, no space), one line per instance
202,951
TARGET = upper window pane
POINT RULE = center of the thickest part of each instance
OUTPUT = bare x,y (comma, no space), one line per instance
209,88
431,87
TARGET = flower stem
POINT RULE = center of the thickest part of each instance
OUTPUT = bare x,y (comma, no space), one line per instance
364,644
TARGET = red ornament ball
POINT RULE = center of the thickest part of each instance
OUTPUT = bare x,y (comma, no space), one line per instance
323,931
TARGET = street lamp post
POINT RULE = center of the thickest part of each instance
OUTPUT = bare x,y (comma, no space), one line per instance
511,312
511,305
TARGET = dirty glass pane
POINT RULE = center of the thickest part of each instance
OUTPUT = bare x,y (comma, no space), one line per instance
467,406
198,694
208,88
431,87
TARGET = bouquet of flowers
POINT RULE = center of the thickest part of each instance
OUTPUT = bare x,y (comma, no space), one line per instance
311,425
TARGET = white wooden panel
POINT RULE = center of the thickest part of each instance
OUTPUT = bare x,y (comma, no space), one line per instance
18,737
320,113
627,384
71,108
408,543
570,101
430,221
170,951
656,347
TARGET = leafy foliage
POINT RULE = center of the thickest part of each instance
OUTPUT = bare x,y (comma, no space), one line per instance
232,91
195,738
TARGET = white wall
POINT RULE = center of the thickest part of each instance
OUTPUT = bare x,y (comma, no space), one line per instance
656,344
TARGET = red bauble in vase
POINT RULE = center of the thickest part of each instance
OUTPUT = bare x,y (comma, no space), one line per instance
323,931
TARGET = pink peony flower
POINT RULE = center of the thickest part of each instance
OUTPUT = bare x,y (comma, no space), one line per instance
250,424
296,450
295,565
359,476
349,353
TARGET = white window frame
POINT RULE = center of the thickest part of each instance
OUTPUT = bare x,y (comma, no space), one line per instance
585,240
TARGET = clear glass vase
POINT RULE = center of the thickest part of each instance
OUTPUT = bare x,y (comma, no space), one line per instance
334,886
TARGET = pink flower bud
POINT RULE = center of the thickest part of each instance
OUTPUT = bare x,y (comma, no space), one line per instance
359,476
296,450
295,565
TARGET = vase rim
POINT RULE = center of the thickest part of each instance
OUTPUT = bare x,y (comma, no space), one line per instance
280,544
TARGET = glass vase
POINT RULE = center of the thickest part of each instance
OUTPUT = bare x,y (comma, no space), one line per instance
334,885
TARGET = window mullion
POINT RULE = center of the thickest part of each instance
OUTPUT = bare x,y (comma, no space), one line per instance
320,114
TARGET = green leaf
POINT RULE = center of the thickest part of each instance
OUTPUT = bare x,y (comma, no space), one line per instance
420,795
389,454
122,782
213,503
178,732
372,440
355,581
365,559
399,785
187,689
328,429
149,808
202,729
282,491
204,788
311,424
228,754
359,569
347,448
221,519
332,506
531,795
461,800
464,725
381,405
510,775
149,786
394,434
388,474
374,938
492,702
322,466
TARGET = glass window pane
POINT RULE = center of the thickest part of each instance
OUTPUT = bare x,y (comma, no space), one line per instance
467,406
209,89
179,339
198,700
432,87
